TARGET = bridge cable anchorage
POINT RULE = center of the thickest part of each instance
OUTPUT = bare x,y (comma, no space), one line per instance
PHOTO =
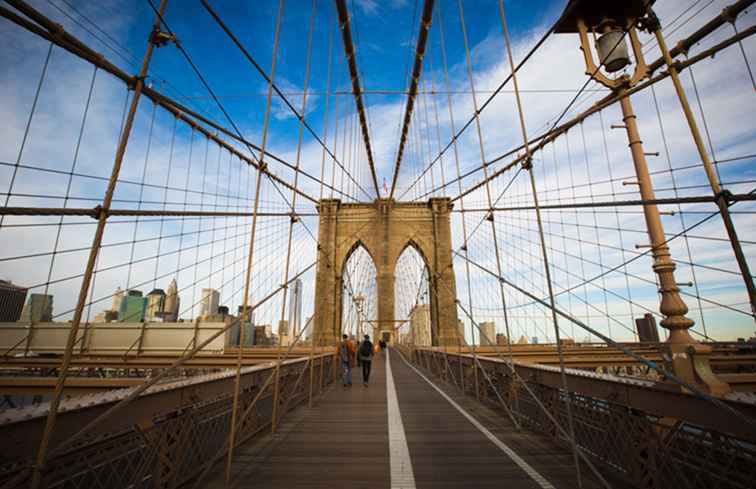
349,51
417,68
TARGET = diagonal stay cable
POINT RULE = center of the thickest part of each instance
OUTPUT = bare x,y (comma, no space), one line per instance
490,98
286,101
653,365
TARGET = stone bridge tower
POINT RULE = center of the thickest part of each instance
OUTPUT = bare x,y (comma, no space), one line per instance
385,228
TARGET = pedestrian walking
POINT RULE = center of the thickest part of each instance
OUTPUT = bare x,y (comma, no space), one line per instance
346,356
366,359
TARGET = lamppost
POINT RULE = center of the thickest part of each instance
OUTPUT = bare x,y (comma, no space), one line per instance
359,299
609,22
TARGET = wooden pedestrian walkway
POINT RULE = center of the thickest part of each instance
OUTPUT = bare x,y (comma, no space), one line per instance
352,438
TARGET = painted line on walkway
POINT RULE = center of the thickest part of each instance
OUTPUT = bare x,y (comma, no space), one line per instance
533,473
402,476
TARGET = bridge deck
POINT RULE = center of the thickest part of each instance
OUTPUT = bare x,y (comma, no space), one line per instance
346,440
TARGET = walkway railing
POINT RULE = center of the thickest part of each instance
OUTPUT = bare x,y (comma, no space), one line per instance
167,438
634,431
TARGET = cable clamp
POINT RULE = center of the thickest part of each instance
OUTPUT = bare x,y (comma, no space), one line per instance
98,211
160,38
527,163
726,196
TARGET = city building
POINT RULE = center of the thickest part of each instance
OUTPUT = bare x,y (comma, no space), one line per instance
461,330
155,305
172,303
106,316
210,303
12,299
646,326
117,300
295,308
487,333
133,307
38,309
249,312
501,339
420,327
283,333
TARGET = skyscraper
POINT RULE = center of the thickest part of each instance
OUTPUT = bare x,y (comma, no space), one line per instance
487,333
133,307
420,328
155,305
117,300
38,309
12,300
210,302
172,303
295,308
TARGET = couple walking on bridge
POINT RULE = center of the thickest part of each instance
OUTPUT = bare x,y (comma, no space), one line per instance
349,354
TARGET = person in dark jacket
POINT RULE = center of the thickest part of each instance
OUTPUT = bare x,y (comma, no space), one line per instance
365,354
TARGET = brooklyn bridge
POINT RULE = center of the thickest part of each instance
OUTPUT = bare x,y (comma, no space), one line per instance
377,244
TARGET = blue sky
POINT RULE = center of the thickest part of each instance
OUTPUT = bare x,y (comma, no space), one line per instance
384,35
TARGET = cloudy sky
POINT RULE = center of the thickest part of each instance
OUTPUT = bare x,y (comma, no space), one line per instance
62,119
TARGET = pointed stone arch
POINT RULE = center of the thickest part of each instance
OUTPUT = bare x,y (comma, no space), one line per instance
384,228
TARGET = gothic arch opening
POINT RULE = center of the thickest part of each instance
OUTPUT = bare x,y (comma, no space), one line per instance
359,295
412,297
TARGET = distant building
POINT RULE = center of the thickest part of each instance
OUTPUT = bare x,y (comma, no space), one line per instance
487,333
295,308
133,307
534,340
12,300
210,302
461,331
647,331
249,312
523,340
172,303
106,317
501,339
117,300
155,305
420,327
283,332
261,336
38,309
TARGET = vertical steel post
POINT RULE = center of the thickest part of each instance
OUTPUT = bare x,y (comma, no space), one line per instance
672,305
711,174
262,167
93,253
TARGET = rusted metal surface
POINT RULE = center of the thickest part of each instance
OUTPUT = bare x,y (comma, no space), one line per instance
143,444
635,429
